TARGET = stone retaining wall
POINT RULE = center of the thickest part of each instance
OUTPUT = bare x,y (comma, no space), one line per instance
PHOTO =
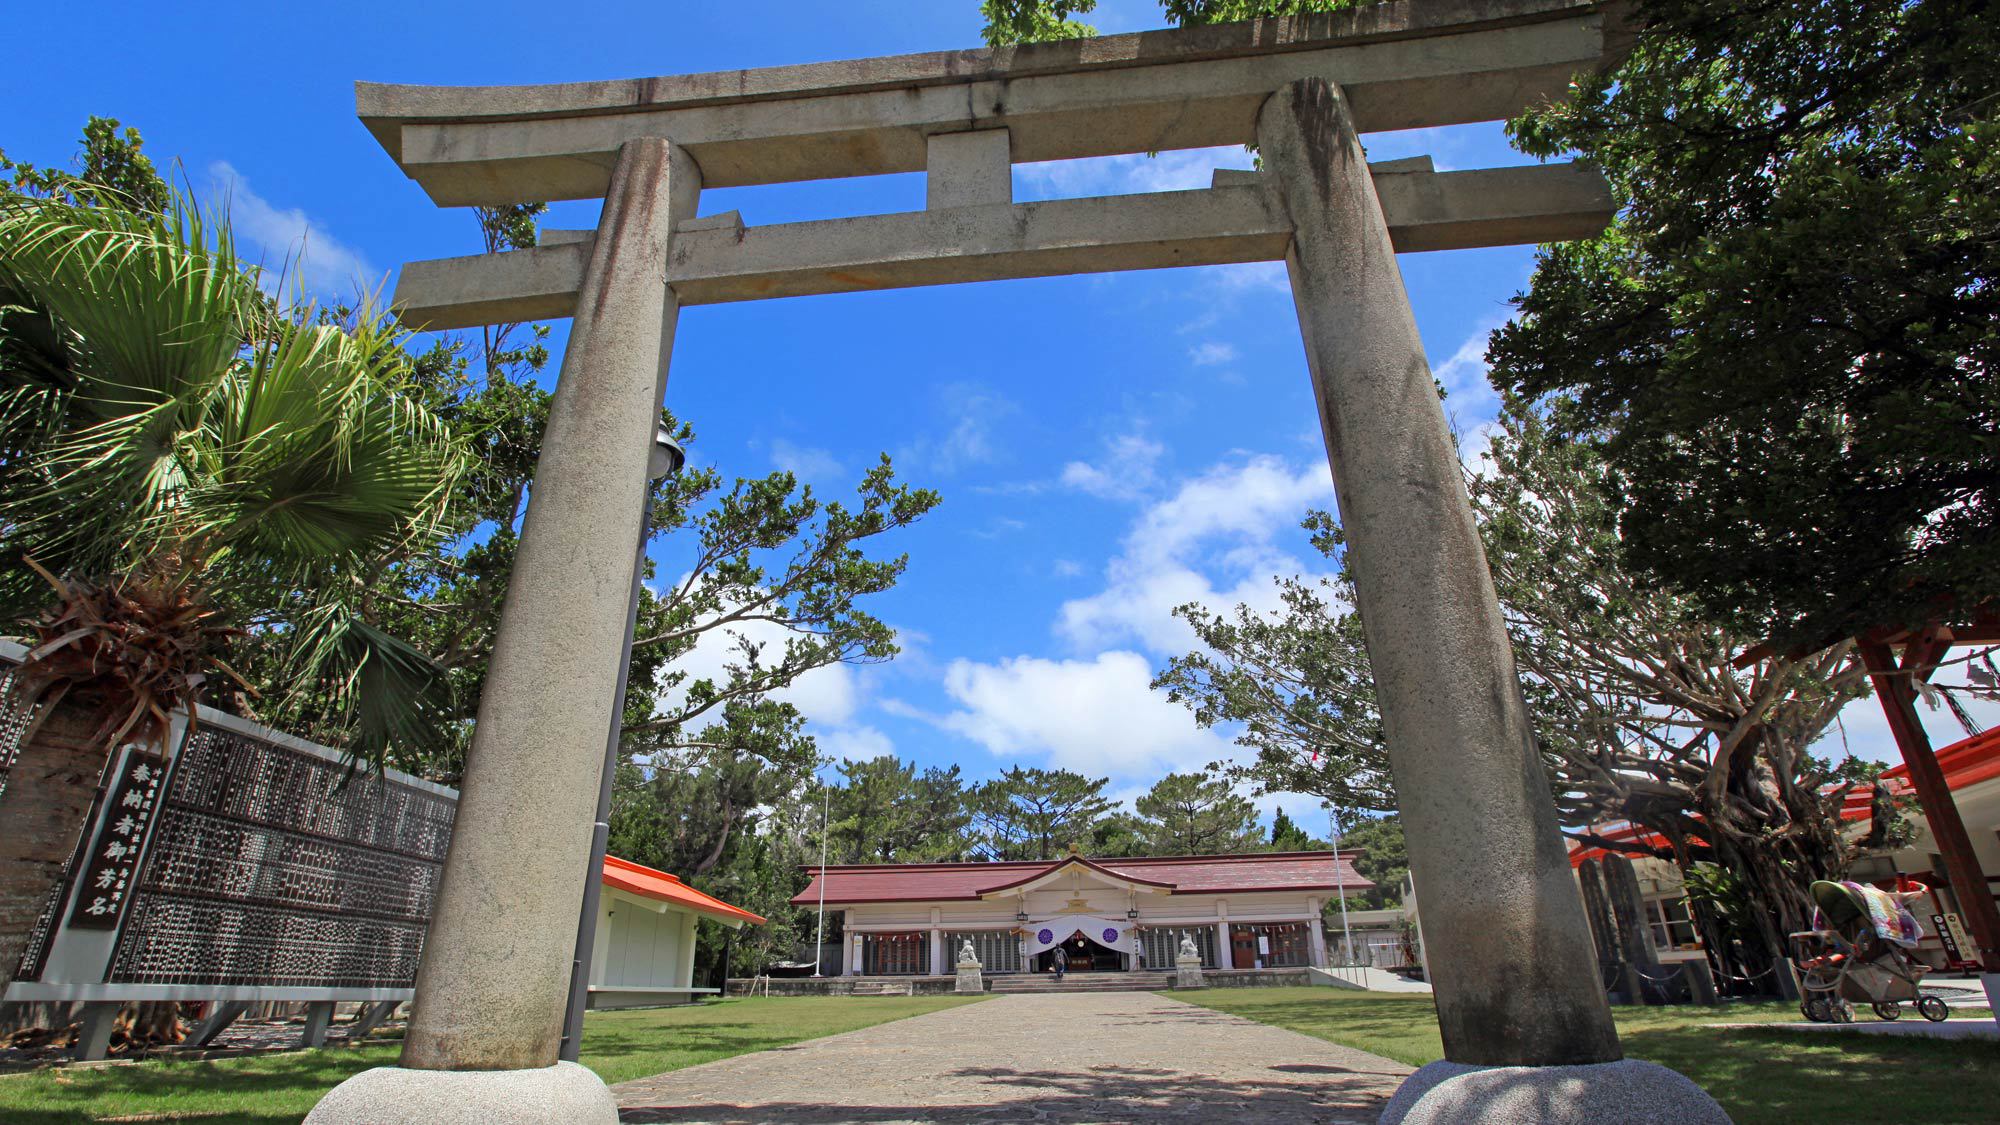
928,985
1254,978
831,986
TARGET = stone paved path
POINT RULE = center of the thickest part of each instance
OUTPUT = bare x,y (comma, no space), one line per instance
1060,1059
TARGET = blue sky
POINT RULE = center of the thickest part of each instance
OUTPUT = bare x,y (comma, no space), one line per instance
1108,447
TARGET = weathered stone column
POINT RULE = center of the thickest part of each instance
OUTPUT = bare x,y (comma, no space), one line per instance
1510,951
1510,954
496,965
1628,915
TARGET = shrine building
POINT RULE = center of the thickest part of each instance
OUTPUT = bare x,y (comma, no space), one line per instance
1257,911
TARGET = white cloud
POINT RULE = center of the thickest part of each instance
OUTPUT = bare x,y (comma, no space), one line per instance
1098,716
1469,394
1225,521
805,462
1253,277
288,238
903,709
972,413
828,696
1139,606
1126,471
1474,447
1211,353
999,526
1248,501
1067,568
856,743
1470,401
1132,173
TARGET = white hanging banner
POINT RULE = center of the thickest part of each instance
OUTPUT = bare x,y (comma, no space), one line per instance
1107,932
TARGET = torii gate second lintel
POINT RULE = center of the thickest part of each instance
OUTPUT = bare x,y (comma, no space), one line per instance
717,259
1509,948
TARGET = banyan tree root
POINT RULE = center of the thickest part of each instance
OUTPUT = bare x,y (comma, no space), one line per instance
137,1027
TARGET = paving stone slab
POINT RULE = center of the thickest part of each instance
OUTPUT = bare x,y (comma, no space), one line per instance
1057,1059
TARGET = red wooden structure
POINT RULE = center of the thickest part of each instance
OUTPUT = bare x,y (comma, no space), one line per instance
1895,682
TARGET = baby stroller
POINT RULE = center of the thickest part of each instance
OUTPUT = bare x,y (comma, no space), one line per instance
1858,952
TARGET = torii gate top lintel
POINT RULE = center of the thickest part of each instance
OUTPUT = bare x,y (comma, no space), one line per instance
965,118
1404,64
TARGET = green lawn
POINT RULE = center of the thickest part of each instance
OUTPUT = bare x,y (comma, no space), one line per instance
280,1088
1762,1077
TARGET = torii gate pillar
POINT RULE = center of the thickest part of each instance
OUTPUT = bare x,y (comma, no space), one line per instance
485,1029
1521,1013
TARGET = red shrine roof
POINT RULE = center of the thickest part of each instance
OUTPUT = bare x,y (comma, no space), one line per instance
1187,874
1965,764
636,879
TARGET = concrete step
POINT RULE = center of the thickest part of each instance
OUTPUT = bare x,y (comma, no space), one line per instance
1083,982
882,988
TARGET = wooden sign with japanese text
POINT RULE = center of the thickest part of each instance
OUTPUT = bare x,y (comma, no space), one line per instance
111,867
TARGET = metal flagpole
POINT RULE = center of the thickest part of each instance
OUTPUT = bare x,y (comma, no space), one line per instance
819,934
1346,935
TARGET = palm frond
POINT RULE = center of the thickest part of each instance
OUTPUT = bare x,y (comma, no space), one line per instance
384,692
169,429
318,459
147,312
153,305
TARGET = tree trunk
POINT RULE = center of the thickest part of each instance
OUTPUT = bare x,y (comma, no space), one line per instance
46,1016
1766,886
45,806
714,856
1597,910
153,1023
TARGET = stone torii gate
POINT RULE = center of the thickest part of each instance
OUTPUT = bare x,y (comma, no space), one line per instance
1510,953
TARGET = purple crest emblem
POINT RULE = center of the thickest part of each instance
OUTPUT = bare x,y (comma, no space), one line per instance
1110,936
1045,937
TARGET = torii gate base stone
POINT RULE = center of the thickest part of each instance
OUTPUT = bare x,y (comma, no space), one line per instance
1527,1032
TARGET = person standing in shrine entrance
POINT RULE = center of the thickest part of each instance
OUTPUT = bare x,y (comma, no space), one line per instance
1059,961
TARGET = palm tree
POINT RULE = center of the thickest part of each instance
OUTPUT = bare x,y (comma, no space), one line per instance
185,471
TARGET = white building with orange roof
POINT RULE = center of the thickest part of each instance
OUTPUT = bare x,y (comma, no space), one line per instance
646,926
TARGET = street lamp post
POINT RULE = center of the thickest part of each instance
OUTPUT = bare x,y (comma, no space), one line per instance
1346,935
819,933
666,460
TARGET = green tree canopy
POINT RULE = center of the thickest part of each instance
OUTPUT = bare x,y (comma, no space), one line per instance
1286,835
171,432
1786,344
1038,21
1374,844
890,812
111,167
762,570
1038,814
1641,712
740,830
1197,814
1296,683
